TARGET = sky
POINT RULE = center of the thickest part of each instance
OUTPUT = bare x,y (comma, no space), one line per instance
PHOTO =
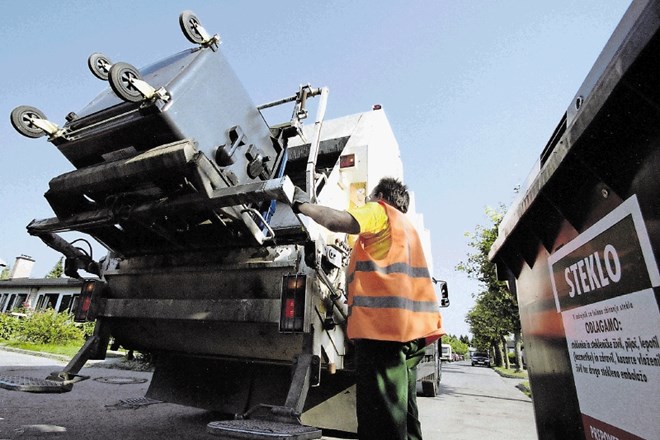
473,90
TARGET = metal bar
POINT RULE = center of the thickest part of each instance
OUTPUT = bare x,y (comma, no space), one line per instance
278,102
279,189
78,361
310,172
295,399
56,242
232,310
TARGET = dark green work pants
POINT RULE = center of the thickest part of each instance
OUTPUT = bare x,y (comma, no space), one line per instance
386,394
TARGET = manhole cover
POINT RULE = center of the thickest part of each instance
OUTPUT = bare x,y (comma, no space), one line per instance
32,385
115,380
133,403
262,429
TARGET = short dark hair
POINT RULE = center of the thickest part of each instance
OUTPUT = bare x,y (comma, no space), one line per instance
394,192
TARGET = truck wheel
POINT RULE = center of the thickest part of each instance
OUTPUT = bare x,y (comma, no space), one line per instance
100,65
189,23
429,388
121,78
22,117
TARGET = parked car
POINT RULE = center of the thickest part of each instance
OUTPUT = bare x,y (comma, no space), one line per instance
480,358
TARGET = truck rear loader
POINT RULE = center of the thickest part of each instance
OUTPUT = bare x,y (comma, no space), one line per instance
241,302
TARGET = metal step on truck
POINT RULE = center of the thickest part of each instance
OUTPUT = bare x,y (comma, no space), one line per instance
241,302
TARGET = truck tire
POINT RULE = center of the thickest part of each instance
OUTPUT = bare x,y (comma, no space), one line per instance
429,388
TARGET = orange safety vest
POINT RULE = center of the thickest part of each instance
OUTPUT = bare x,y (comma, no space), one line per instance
393,299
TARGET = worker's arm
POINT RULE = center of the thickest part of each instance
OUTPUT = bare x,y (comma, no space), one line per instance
332,219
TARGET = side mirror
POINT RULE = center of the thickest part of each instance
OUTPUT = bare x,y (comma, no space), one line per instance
444,292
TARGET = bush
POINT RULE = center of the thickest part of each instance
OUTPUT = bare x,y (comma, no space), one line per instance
512,360
49,327
87,328
10,326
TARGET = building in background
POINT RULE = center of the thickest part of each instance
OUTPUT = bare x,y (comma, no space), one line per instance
21,291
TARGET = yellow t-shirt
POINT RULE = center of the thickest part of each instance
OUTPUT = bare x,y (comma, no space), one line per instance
374,228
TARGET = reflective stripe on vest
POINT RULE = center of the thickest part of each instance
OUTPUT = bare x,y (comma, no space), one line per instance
403,268
395,302
392,299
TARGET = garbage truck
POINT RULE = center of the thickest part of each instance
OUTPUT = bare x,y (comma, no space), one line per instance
580,248
241,302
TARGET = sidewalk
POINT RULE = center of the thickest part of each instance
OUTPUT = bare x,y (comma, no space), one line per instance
111,356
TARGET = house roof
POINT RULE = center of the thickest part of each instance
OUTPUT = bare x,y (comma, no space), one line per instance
39,282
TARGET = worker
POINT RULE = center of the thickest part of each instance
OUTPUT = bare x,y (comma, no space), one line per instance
393,309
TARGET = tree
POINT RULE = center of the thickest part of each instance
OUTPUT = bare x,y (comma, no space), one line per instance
4,274
456,344
57,270
495,313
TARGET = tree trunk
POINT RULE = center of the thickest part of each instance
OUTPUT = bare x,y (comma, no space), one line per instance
506,365
498,354
518,341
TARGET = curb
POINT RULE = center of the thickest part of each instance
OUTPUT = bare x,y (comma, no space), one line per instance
520,386
58,357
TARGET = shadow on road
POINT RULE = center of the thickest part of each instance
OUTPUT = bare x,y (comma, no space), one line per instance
450,391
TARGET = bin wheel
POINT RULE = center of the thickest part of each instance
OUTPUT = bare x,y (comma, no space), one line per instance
21,119
100,65
189,24
121,76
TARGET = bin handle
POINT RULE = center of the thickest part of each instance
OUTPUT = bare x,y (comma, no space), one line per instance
259,218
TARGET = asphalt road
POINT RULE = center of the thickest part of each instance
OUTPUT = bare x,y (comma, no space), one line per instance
477,403
474,402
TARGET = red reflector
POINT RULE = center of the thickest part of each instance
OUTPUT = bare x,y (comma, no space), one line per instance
290,308
292,312
347,161
86,302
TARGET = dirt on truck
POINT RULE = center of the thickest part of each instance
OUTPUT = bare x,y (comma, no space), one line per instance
241,302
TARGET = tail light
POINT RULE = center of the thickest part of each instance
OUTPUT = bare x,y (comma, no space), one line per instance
88,301
347,161
292,313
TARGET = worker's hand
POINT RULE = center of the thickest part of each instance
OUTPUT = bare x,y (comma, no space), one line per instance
299,197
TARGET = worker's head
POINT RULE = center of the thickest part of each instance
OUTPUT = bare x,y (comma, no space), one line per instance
393,192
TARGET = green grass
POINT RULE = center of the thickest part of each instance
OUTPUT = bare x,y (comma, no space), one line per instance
524,387
70,350
66,350
511,373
